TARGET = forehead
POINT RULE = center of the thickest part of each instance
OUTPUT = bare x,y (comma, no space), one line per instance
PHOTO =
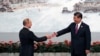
30,21
75,17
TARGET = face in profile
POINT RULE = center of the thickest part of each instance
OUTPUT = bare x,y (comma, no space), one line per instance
29,24
77,19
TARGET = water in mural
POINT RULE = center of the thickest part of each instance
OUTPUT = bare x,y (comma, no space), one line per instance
47,17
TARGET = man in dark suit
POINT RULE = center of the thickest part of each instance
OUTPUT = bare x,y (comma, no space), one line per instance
27,39
80,36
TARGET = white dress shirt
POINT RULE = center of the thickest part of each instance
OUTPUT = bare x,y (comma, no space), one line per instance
79,24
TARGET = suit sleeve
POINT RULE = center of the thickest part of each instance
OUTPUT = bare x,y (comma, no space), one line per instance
63,31
35,38
88,38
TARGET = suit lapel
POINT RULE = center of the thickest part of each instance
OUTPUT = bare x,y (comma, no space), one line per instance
80,28
74,28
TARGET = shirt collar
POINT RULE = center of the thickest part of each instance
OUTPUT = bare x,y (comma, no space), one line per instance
79,24
26,27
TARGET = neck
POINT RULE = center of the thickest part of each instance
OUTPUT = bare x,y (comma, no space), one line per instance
26,27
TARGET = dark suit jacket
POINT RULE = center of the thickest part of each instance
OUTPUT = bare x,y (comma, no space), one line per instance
27,39
80,41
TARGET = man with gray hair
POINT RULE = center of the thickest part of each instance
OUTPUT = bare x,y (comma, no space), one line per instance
27,39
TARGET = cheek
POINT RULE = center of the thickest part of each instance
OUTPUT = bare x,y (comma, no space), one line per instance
75,20
31,24
79,20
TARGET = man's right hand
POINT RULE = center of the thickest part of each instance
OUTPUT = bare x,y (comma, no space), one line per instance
35,46
55,33
51,35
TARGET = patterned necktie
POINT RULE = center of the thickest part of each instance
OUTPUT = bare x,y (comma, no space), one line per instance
76,28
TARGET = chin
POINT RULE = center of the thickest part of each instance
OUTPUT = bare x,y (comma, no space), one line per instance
29,27
76,22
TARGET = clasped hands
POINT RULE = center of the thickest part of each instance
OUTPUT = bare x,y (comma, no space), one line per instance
51,35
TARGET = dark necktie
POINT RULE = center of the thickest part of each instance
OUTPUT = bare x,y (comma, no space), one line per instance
76,28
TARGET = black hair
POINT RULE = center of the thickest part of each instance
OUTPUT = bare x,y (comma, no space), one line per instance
78,14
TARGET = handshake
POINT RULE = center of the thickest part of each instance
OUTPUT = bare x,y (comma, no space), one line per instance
48,37
51,35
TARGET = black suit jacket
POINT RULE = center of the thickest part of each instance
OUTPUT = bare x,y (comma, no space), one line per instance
27,39
80,41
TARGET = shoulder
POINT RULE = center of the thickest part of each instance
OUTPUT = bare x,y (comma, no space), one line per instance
84,24
24,31
30,32
72,23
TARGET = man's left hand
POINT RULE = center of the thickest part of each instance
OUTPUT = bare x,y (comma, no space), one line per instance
87,51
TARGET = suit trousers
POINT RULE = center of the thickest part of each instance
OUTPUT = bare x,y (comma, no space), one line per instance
77,54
